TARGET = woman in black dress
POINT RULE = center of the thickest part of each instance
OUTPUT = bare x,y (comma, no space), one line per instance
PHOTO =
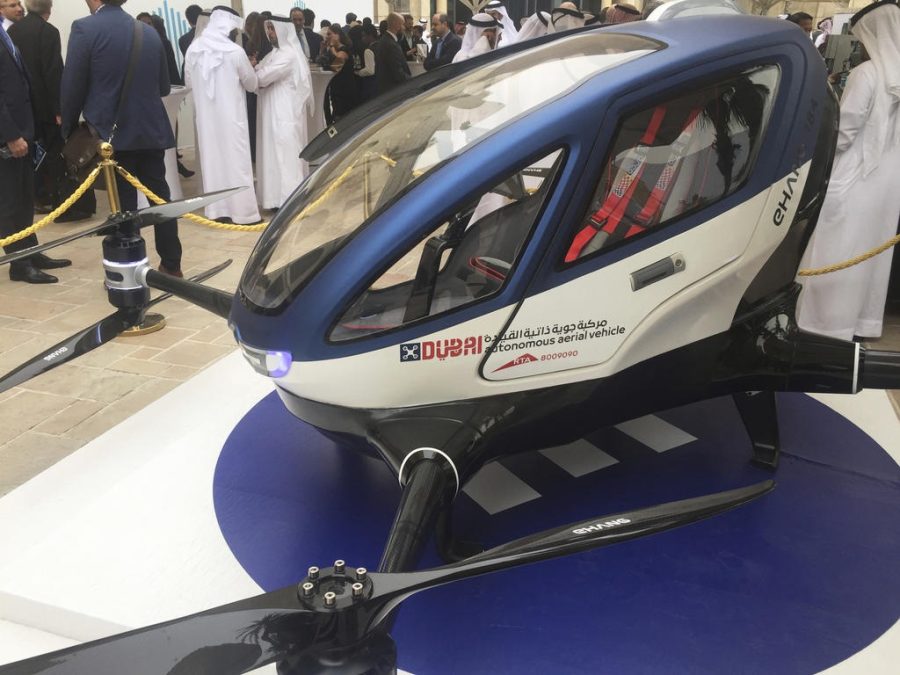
338,58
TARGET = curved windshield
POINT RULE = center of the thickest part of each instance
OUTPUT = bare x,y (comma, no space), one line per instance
365,176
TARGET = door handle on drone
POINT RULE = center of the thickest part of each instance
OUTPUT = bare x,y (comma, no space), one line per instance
657,271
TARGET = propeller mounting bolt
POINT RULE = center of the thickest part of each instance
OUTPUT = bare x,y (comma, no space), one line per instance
339,566
313,573
357,589
330,599
361,573
308,589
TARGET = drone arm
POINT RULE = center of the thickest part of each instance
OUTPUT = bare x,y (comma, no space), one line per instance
879,369
428,489
211,299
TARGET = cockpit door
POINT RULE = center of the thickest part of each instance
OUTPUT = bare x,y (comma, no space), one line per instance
640,295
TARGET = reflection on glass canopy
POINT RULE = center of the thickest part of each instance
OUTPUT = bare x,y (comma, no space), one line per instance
408,143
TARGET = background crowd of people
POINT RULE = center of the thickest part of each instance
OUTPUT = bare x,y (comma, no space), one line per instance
228,61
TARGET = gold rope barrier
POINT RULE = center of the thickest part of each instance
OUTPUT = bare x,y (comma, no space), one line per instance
55,213
862,257
138,185
340,180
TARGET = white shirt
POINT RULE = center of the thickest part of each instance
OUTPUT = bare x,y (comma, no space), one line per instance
369,68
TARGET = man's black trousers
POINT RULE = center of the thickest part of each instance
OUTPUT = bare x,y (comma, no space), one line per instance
17,200
149,167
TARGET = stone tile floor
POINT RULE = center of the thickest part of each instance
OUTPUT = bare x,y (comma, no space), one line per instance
52,415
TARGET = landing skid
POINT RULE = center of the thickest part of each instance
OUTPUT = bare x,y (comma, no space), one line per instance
449,547
759,412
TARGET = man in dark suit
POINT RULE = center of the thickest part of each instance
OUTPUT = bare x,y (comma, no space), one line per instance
39,44
405,38
445,43
351,19
96,66
312,35
191,14
16,166
390,63
310,40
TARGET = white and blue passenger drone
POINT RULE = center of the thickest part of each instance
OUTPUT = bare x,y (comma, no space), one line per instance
506,254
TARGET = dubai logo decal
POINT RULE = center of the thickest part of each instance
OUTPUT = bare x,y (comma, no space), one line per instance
441,350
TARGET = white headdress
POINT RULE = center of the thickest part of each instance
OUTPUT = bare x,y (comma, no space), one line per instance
878,28
510,34
535,26
474,41
565,18
210,48
287,39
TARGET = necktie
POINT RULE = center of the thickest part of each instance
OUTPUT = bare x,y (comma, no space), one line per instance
303,42
10,46
440,46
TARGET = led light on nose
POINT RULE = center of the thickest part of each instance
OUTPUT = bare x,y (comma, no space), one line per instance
268,362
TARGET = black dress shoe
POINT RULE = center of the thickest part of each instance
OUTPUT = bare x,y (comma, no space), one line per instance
43,262
184,171
71,216
30,274
172,271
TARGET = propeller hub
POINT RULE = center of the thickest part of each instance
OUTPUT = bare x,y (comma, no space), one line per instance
124,259
334,588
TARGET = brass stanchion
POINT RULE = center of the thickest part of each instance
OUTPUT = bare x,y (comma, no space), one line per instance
151,321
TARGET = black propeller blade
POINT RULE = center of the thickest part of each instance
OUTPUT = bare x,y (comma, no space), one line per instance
81,343
152,215
112,221
87,340
227,640
332,621
572,538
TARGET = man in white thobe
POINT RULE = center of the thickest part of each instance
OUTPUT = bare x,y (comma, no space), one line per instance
219,72
862,205
283,98
509,34
566,17
480,37
535,26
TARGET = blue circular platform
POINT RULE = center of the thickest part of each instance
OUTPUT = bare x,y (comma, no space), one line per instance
793,583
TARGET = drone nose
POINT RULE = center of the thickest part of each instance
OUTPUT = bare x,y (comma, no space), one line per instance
267,362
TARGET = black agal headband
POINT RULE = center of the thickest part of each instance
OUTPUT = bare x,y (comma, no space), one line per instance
493,23
865,10
223,8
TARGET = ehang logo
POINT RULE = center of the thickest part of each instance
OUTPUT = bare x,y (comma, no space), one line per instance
518,361
58,352
600,527
411,351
